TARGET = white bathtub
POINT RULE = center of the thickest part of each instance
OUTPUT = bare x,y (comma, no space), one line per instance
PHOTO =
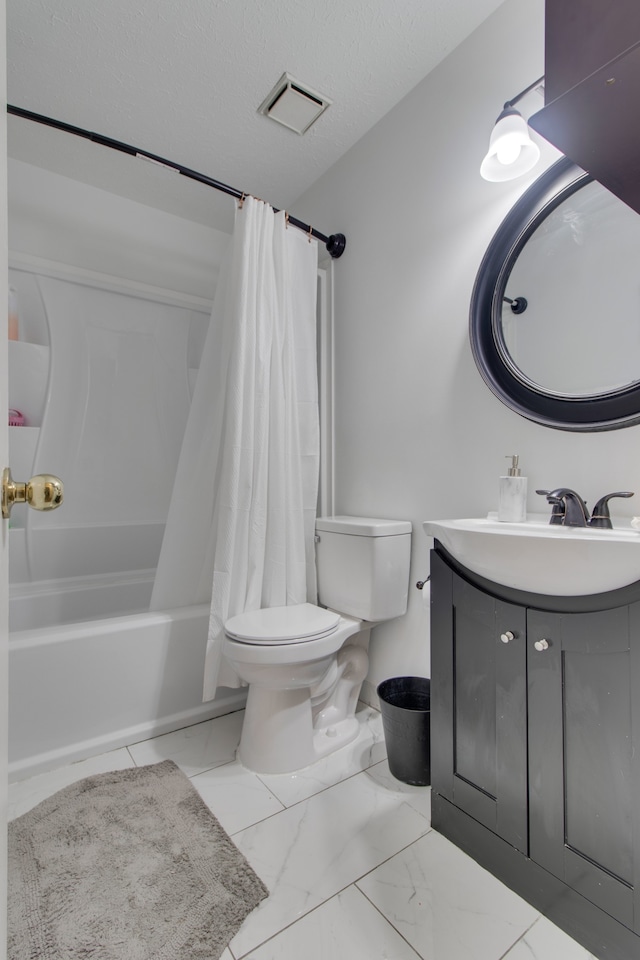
86,686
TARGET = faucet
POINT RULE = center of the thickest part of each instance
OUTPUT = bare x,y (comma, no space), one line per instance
601,517
557,512
570,510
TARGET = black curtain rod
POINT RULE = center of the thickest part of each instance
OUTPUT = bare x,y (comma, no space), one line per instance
335,244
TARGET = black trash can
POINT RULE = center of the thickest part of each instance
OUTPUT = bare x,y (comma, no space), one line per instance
405,703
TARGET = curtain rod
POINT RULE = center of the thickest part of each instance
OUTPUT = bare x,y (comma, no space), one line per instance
335,244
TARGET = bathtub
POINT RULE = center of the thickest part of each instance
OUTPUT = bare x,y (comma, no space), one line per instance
92,682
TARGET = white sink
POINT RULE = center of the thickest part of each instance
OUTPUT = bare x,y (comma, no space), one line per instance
535,556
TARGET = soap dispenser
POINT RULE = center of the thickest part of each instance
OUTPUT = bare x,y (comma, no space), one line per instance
512,503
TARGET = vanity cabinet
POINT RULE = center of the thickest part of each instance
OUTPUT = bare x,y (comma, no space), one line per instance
481,762
581,768
536,747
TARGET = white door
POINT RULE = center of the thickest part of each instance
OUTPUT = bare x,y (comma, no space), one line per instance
4,461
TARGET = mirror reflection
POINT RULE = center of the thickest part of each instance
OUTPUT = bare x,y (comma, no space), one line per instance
579,273
567,250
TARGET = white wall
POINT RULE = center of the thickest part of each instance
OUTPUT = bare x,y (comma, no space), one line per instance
419,435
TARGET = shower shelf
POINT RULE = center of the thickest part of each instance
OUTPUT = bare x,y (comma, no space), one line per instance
22,450
28,377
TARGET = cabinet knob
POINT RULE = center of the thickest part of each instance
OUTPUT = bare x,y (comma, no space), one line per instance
507,636
541,645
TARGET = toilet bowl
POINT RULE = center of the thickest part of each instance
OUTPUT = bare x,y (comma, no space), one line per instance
305,663
284,653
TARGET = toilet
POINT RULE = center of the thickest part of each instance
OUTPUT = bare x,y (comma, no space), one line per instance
305,663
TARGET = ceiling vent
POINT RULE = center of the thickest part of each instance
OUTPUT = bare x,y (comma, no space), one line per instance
294,105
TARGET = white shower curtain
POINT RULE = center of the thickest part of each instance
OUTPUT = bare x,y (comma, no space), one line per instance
241,521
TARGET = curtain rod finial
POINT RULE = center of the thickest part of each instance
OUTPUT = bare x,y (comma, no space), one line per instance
336,244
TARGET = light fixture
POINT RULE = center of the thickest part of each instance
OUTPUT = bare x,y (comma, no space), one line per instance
511,152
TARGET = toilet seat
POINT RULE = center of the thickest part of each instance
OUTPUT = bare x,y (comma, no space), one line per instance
276,626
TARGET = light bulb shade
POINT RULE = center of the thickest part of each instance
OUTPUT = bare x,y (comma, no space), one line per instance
511,152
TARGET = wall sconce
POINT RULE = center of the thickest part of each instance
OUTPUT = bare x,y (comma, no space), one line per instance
511,152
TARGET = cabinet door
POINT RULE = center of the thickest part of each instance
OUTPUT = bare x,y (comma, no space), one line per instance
479,756
583,777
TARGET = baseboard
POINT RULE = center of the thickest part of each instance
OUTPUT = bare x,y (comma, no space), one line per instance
82,750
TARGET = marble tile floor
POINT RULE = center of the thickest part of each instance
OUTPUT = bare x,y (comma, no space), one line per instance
354,870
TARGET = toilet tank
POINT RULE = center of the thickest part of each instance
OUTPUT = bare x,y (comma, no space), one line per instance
363,566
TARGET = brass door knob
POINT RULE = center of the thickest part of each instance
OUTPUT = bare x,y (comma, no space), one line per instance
43,492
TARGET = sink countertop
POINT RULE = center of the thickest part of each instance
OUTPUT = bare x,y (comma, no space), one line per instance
543,558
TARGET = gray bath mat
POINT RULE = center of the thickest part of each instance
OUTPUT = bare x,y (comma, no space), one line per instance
129,865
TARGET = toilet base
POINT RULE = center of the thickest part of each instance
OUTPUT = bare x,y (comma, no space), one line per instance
277,732
278,735
327,740
302,707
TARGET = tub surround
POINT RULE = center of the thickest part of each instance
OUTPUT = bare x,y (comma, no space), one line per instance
112,401
48,603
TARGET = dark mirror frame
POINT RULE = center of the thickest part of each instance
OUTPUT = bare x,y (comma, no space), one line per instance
605,411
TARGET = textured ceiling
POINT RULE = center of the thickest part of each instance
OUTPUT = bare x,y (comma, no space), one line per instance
183,79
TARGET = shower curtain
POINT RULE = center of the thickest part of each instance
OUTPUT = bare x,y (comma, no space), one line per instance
241,521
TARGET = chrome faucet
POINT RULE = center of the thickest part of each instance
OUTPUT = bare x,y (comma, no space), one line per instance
570,510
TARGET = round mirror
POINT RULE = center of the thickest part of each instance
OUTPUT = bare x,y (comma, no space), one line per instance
555,311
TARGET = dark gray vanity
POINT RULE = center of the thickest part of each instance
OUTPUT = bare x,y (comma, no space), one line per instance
535,628
536,746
